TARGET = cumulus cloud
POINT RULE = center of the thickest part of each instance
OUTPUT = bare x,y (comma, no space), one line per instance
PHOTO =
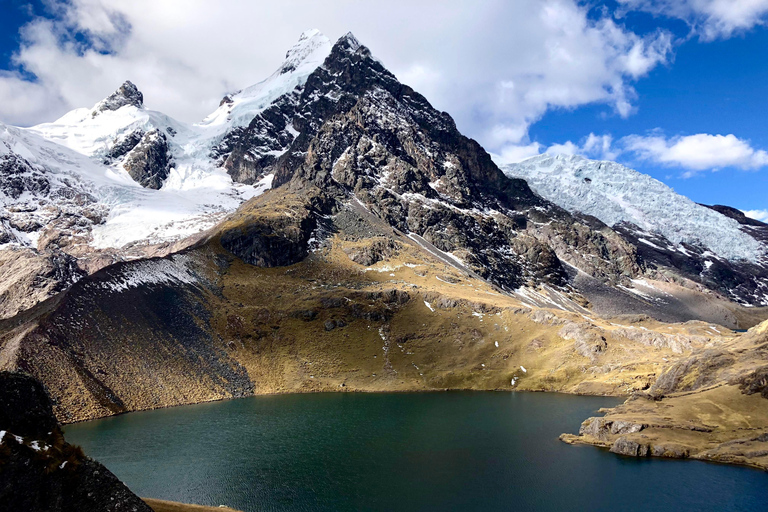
692,153
566,148
599,147
697,152
496,66
761,215
709,19
513,153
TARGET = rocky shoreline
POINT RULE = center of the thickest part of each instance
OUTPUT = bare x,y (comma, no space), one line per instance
709,406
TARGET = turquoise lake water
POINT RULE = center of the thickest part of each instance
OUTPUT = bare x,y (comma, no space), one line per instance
451,451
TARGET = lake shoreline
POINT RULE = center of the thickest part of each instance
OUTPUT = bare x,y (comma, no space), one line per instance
595,431
175,506
349,391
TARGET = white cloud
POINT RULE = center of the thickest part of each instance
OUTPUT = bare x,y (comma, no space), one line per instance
511,154
710,19
761,215
496,66
693,153
599,147
697,152
567,148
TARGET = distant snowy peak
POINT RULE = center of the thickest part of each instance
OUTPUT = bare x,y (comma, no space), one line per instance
94,132
614,194
312,44
127,94
237,109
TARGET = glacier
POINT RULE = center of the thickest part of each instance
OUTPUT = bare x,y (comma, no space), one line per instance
615,193
73,152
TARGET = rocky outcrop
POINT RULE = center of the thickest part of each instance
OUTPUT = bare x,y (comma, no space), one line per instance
603,429
587,341
126,94
675,342
39,470
124,146
700,370
18,176
709,406
261,234
754,382
28,277
150,161
373,251
624,446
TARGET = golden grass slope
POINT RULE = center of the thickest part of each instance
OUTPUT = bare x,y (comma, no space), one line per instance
710,406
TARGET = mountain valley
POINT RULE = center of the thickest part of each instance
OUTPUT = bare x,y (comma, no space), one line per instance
329,230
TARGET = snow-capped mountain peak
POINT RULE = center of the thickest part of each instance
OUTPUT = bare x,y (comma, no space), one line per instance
118,151
308,51
237,109
617,194
350,41
126,94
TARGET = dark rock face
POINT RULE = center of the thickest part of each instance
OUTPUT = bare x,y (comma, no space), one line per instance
624,446
755,382
127,94
269,245
39,471
271,240
736,214
742,281
18,176
123,146
251,152
149,161
25,408
376,250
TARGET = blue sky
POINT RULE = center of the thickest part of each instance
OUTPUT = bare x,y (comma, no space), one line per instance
675,89
714,87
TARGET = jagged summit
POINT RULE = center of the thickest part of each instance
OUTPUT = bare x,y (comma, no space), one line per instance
332,118
350,41
126,94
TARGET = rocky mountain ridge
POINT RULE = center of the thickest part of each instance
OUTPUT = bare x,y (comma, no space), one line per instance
713,246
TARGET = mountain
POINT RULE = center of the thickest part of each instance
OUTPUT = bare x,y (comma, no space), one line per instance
119,181
328,229
713,246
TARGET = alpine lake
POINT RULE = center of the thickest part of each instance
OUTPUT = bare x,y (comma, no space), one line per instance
440,451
